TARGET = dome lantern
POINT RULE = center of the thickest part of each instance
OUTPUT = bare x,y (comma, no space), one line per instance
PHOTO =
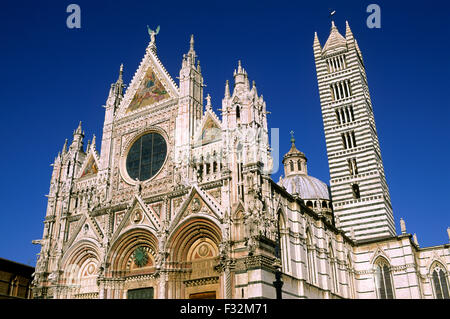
294,161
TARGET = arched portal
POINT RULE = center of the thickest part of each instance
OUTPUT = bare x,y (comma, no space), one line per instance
132,264
81,266
193,260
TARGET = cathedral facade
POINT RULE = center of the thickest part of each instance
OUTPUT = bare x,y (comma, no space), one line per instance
179,202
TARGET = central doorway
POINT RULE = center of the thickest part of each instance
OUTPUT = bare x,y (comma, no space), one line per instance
142,293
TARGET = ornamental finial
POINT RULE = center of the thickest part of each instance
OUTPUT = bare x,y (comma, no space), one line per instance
402,226
292,137
191,43
208,102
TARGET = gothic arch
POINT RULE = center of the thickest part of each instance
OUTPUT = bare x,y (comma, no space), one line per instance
383,279
437,263
435,258
333,268
120,256
81,265
83,249
188,233
350,276
309,234
381,259
439,279
379,253
281,213
238,229
310,255
283,229
195,245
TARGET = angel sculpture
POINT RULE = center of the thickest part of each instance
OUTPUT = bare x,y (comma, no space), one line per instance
152,33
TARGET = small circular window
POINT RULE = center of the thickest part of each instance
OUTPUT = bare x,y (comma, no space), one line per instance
146,156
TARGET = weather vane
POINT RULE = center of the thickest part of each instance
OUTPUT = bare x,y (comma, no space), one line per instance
152,33
332,13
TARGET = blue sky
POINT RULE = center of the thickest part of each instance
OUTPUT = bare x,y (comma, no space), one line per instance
52,77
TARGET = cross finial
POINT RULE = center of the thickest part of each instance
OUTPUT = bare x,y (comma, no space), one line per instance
292,137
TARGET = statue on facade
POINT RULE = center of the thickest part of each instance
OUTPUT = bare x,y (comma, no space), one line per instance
162,254
138,186
152,33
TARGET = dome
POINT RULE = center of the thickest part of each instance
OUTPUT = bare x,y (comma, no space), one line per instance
307,187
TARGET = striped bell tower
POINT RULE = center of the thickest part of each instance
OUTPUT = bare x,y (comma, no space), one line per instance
359,190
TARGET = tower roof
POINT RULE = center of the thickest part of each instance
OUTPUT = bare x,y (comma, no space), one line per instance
293,152
335,39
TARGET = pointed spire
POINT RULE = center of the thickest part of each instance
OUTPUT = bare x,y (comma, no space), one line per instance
333,26
191,52
189,58
191,43
227,89
255,91
348,31
316,41
78,131
119,86
335,39
64,149
199,69
93,140
120,79
240,76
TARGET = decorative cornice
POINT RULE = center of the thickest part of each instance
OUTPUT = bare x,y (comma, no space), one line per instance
201,281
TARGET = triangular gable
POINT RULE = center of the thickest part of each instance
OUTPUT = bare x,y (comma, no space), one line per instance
210,131
91,167
197,203
237,208
137,214
150,91
379,252
87,227
151,85
434,258
91,162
